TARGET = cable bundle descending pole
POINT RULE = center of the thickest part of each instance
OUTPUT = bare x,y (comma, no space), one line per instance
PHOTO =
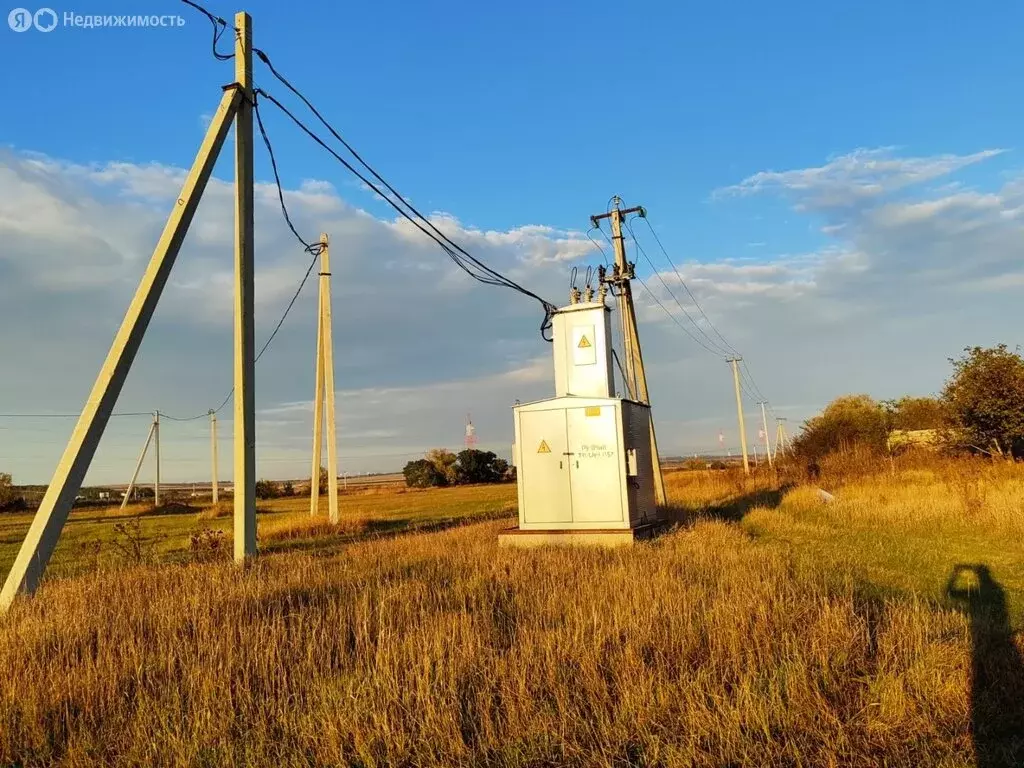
472,266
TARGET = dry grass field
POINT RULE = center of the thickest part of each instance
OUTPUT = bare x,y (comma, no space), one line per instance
767,628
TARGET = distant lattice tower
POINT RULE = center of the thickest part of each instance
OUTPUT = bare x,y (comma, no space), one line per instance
470,433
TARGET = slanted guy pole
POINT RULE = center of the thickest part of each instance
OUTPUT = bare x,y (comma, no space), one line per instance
739,411
324,390
32,558
138,466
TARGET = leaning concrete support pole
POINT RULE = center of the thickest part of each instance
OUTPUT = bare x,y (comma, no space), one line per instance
138,466
67,478
328,364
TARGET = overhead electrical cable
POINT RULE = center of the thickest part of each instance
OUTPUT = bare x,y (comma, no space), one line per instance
748,383
718,349
682,282
467,262
219,25
675,319
66,415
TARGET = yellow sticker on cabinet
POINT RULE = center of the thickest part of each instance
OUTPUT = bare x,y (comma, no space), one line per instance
584,343
593,410
543,448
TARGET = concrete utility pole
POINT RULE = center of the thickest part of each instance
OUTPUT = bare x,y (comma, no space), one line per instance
156,442
767,438
634,373
318,408
245,359
739,411
214,473
138,465
780,436
324,387
42,536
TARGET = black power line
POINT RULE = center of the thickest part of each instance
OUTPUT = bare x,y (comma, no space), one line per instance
467,262
712,349
314,248
219,25
728,346
277,328
67,415
745,374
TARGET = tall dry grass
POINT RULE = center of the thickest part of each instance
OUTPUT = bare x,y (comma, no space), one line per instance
700,649
709,646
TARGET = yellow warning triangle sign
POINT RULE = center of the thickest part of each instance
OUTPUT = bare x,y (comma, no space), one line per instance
584,343
543,447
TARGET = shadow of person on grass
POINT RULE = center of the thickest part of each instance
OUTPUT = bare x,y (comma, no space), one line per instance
997,670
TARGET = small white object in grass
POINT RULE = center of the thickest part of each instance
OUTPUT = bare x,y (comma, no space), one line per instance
825,496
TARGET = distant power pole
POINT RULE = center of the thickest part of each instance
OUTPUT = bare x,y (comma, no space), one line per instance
214,474
767,439
324,390
635,375
780,437
739,411
138,465
156,445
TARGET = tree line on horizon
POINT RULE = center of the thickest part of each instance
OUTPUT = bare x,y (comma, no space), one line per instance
979,410
440,467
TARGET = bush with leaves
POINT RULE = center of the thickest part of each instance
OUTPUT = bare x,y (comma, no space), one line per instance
914,413
445,463
422,473
852,422
9,500
476,466
985,397
266,489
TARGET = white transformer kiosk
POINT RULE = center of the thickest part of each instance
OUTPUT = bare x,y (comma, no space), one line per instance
583,458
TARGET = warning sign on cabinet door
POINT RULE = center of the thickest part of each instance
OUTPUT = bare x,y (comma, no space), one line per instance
583,350
543,447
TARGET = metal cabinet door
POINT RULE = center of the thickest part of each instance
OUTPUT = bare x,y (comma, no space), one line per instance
545,468
595,480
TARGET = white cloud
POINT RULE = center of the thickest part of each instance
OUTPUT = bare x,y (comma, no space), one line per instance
76,239
904,277
854,177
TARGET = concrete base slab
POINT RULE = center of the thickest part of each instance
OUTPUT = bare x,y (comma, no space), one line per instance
601,537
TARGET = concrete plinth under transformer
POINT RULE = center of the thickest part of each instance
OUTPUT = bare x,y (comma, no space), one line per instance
600,537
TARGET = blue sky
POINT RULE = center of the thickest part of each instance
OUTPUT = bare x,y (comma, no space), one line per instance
504,117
